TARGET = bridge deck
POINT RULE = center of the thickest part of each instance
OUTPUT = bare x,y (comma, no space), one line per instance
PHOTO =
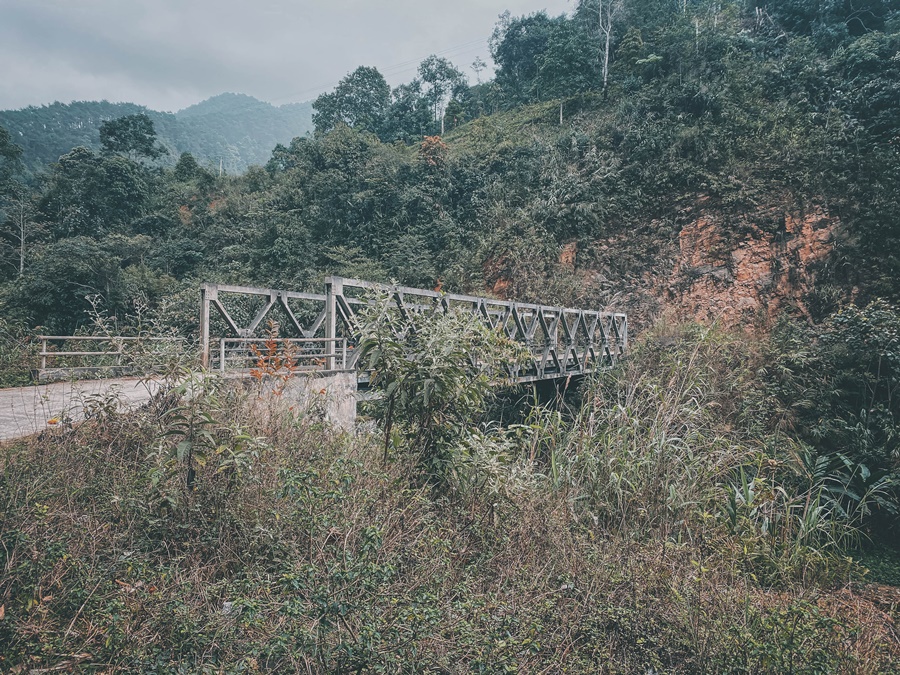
27,410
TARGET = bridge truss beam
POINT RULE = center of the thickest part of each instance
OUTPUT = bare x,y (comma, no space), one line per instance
562,341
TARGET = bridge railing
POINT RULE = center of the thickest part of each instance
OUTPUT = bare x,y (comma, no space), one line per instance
65,356
562,341
280,354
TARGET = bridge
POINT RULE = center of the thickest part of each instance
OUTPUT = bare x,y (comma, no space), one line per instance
319,333
324,328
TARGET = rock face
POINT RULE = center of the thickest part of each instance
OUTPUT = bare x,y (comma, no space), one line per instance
705,264
748,271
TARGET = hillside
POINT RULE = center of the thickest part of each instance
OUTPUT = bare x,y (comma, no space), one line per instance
726,499
237,129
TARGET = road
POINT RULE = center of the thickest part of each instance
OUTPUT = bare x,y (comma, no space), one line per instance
28,410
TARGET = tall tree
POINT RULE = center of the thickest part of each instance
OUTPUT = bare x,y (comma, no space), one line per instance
445,82
361,101
15,202
19,226
605,15
94,195
10,160
569,65
517,45
409,117
131,135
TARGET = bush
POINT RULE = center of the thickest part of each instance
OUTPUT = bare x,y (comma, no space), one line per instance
18,355
836,386
214,531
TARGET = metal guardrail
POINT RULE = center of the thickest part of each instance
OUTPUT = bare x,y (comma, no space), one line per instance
112,348
293,354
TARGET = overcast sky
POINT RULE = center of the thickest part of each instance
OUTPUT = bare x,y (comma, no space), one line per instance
168,54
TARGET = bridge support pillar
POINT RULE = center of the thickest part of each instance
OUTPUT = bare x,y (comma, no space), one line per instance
331,395
334,286
208,292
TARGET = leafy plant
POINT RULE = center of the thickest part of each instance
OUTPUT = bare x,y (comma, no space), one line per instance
435,371
274,359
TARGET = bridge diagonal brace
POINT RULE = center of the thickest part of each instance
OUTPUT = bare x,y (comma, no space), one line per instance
482,308
283,301
261,314
604,335
348,316
220,308
508,313
316,325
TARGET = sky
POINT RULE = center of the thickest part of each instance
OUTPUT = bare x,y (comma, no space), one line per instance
169,54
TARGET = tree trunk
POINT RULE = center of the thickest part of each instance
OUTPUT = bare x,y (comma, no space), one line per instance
21,238
606,48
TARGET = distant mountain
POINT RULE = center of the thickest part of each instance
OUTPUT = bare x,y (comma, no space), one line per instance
236,129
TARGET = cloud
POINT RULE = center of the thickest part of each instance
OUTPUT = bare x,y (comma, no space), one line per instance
168,54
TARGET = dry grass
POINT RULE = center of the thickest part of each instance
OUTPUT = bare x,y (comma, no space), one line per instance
310,554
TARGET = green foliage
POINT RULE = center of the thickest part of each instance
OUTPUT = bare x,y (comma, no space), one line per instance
304,552
709,108
649,451
434,371
836,385
882,563
10,157
360,101
132,135
188,169
18,354
831,22
443,82
517,47
93,195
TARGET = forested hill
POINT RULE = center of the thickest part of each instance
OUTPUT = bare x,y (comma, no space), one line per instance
236,129
726,171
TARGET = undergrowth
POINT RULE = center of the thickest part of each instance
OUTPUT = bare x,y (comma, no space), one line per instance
644,531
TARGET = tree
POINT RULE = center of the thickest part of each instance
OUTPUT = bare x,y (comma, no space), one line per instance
131,135
568,66
187,169
361,101
445,81
10,158
93,195
604,14
19,227
409,117
15,201
54,291
517,45
422,365
478,65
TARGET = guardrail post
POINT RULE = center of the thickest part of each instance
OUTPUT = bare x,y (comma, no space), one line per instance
43,353
207,293
334,286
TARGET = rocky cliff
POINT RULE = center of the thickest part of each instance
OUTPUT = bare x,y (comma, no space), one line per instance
712,265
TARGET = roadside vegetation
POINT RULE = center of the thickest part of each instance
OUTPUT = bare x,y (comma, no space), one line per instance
720,502
650,526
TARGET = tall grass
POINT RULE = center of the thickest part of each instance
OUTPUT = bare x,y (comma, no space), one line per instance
668,447
215,531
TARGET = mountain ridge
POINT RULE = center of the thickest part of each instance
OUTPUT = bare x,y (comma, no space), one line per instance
236,130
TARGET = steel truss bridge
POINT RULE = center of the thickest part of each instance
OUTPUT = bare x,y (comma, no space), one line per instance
322,329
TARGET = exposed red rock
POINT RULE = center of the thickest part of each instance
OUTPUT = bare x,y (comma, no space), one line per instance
751,278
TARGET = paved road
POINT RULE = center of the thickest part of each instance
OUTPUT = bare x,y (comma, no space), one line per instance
27,410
